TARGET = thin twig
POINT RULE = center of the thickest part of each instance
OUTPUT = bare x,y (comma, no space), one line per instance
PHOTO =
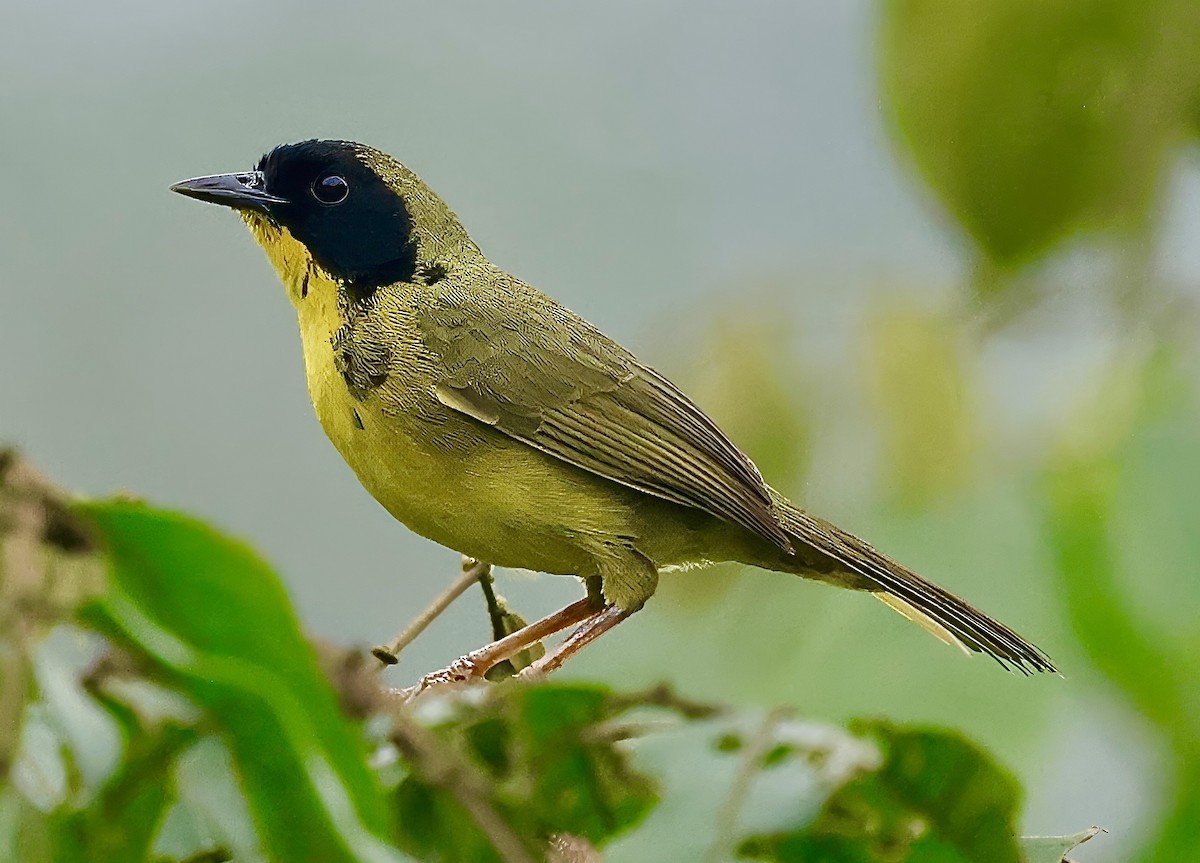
662,695
22,525
615,732
505,621
472,571
440,766
494,610
727,818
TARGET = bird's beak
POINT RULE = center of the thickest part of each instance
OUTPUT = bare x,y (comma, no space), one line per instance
240,191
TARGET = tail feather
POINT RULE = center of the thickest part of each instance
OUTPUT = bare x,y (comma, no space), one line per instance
921,619
936,610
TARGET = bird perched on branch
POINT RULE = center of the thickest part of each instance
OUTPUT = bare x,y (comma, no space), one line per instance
492,420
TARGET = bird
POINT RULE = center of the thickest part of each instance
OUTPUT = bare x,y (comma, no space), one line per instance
489,418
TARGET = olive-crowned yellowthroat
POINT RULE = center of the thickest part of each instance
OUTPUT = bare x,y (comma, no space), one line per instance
492,420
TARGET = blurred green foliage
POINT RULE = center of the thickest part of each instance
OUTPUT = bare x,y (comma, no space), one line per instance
757,400
928,431
248,667
1123,524
503,775
1042,129
1033,120
934,798
1034,123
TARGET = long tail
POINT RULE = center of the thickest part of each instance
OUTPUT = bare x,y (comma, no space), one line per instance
934,609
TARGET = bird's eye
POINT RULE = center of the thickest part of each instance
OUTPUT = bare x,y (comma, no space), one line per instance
330,189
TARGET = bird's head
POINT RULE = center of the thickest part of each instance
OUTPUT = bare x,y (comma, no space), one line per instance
356,214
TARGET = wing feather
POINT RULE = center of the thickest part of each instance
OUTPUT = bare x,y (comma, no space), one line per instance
542,375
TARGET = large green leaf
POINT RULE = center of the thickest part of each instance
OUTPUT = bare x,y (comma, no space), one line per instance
214,619
1035,119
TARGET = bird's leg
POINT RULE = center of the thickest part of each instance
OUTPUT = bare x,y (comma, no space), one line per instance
472,571
589,630
476,663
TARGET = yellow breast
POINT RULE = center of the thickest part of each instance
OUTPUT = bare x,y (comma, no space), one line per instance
443,474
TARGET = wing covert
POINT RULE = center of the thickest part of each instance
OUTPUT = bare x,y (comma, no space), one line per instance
530,368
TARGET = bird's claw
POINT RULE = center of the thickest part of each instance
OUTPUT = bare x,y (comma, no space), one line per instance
465,669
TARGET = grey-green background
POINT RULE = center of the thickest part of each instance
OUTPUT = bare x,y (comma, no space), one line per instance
712,184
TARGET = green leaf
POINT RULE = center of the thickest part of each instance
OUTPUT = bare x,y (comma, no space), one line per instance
122,822
118,821
1052,849
1124,533
212,813
544,757
1032,120
936,799
433,825
587,786
736,775
968,801
25,832
215,621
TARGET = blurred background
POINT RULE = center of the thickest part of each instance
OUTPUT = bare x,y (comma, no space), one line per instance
934,265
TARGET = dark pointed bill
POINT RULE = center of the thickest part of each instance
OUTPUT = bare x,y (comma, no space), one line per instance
241,191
